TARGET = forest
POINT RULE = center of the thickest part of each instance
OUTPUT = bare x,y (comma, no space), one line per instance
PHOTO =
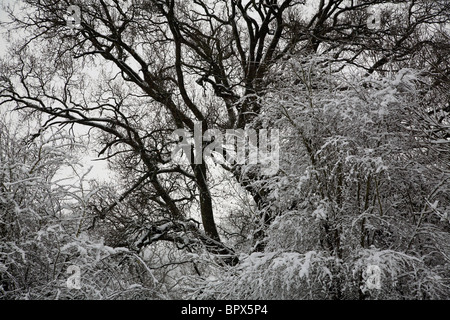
225,150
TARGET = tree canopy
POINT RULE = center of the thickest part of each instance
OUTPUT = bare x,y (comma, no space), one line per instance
358,91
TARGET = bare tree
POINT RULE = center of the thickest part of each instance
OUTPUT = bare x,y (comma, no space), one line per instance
168,64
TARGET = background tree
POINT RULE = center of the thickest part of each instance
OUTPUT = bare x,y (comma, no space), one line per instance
44,229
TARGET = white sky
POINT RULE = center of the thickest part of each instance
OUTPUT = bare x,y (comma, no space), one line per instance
3,31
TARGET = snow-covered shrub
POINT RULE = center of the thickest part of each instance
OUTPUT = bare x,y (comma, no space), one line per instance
362,183
43,229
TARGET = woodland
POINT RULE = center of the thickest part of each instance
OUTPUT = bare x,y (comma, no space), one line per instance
357,91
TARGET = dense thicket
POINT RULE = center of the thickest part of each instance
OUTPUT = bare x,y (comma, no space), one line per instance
358,90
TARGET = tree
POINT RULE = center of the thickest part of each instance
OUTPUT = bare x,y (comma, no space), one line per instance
163,65
43,229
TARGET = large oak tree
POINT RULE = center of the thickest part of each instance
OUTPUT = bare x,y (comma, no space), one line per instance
161,65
